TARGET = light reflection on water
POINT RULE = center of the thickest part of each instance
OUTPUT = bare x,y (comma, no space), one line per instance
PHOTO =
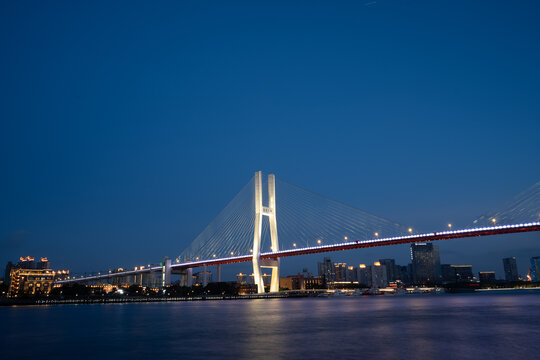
494,326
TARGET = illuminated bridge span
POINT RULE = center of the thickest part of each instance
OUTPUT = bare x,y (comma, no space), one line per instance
255,226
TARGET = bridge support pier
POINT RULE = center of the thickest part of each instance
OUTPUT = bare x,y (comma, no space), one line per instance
270,212
186,277
219,272
205,278
166,272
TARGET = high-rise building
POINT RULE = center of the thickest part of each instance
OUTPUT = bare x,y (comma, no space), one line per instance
340,271
326,269
390,265
241,278
364,275
352,274
535,268
402,273
425,263
7,273
378,275
510,269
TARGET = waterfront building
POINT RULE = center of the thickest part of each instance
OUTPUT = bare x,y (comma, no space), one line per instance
378,276
292,282
61,275
364,275
241,278
26,263
340,272
425,263
463,273
30,282
313,282
456,273
351,274
402,273
510,269
43,263
390,265
487,277
448,274
535,268
327,270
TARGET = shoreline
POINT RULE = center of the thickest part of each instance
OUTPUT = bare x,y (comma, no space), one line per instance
40,302
281,295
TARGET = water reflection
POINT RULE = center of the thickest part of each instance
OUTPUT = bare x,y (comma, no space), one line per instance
411,327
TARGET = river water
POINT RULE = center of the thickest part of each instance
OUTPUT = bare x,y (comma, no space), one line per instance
494,325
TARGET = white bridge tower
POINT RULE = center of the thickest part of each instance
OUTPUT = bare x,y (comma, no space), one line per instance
270,212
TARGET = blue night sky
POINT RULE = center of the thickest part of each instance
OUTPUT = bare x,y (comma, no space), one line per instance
125,127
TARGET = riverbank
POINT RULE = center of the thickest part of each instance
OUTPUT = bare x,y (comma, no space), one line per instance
32,302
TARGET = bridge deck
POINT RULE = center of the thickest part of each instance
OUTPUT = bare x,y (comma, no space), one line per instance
443,235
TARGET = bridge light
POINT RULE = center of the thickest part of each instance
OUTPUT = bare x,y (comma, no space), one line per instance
232,253
197,258
294,244
410,230
250,250
214,255
346,238
493,220
449,226
376,234
319,241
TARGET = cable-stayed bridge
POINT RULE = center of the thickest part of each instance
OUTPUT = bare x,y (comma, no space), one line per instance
270,219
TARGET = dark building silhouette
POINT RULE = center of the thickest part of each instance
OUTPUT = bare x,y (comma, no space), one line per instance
487,277
510,269
535,268
456,273
327,270
426,263
390,265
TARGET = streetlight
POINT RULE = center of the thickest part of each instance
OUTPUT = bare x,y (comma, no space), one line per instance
410,230
493,220
294,244
449,226
376,234
346,238
319,241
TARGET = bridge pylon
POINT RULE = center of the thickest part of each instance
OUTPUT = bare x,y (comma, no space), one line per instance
270,212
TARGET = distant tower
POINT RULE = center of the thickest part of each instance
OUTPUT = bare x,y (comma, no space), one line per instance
426,263
270,212
510,269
